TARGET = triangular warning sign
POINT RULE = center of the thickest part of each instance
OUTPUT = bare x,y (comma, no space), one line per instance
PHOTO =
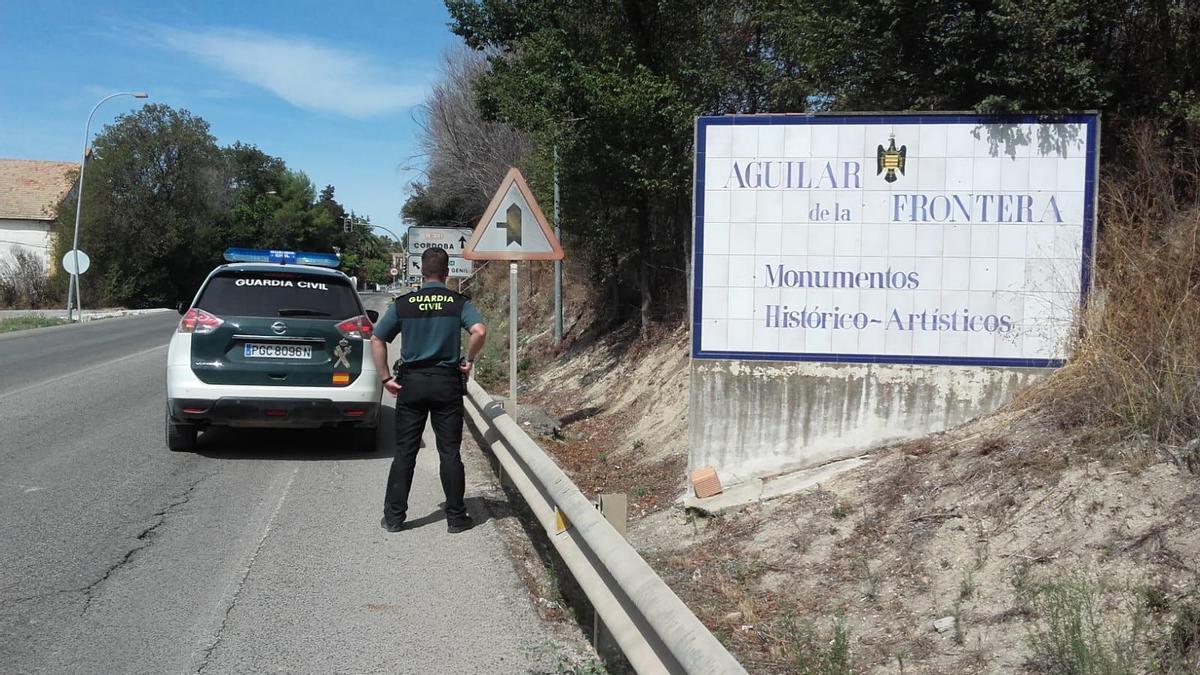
513,227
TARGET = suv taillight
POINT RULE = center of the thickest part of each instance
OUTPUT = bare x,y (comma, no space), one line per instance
358,327
199,322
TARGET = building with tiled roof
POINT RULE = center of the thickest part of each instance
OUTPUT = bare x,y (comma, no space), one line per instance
30,191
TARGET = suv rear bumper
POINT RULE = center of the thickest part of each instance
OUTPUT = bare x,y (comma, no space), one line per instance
273,412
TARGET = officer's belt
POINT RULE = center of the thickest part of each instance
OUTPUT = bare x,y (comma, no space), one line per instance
418,366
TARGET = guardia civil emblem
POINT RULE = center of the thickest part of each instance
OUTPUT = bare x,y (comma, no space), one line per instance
890,160
342,352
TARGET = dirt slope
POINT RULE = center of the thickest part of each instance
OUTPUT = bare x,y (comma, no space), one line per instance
1041,549
623,410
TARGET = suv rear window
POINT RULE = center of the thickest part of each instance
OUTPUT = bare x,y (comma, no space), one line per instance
279,294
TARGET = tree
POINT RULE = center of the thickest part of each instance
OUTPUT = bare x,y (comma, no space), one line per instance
1132,60
363,253
255,180
467,154
616,88
162,202
155,184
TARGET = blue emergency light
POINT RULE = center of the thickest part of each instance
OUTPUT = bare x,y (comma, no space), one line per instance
260,255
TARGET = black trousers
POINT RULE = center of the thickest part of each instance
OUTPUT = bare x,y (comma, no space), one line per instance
436,394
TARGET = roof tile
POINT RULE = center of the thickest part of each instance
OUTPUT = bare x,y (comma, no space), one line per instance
31,189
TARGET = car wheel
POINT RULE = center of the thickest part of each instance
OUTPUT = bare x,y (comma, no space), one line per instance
364,439
180,437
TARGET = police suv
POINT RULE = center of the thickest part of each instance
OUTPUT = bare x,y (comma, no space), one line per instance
275,339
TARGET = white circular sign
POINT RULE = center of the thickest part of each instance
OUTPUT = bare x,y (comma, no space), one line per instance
69,262
395,271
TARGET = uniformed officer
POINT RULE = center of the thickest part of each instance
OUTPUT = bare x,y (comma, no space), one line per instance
430,384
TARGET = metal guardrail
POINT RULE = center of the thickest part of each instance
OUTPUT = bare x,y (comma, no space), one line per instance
654,629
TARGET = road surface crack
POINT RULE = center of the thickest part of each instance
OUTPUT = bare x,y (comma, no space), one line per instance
240,581
143,539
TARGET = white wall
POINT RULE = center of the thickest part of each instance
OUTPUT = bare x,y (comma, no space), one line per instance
34,235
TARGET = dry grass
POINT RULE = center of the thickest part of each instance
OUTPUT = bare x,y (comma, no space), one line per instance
1136,368
24,283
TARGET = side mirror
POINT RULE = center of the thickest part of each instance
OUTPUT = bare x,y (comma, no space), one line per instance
181,307
373,316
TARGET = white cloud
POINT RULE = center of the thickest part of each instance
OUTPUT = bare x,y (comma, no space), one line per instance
302,72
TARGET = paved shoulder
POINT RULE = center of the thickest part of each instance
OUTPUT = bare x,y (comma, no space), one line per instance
332,591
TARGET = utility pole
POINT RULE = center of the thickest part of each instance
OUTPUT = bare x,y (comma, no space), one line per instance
558,304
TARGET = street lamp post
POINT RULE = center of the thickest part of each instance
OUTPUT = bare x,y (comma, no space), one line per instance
73,286
380,227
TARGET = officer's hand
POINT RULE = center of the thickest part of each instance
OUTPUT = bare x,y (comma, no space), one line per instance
464,367
392,386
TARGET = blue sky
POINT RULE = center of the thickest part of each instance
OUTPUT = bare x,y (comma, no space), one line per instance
330,87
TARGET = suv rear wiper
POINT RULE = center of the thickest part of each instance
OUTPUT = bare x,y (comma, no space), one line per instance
302,312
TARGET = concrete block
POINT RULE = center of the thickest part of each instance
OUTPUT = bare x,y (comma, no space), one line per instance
761,418
733,497
756,490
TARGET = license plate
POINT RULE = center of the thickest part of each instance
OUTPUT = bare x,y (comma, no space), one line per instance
254,350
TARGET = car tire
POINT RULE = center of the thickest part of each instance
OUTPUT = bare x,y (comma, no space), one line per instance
364,439
180,437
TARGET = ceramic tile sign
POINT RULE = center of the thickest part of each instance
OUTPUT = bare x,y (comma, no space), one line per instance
933,239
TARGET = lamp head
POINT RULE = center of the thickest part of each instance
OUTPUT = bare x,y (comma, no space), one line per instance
141,94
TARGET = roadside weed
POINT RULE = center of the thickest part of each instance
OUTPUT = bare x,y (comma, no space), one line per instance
1073,635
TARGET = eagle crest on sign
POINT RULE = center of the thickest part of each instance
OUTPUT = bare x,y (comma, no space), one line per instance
891,160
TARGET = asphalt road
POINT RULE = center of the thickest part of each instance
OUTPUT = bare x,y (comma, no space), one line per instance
261,552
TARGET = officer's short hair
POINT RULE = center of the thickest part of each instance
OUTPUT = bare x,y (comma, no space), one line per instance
435,262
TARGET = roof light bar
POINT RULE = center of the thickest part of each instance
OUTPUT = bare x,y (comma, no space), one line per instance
259,255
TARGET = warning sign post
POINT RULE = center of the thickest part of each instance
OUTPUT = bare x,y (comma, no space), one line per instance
513,228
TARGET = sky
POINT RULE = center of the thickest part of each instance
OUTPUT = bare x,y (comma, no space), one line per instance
332,88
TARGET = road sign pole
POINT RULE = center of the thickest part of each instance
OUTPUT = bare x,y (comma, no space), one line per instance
558,308
70,296
512,339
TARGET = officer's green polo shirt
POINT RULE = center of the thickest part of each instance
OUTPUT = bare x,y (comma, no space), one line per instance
432,320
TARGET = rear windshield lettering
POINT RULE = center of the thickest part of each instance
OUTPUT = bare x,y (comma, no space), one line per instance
283,283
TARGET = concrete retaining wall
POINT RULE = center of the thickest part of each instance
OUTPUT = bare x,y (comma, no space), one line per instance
757,418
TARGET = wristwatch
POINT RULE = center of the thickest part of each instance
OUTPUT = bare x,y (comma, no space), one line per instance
386,380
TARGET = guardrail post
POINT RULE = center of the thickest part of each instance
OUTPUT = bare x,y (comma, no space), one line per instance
615,509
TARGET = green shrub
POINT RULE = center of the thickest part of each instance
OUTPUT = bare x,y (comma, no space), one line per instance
1181,653
812,654
1072,635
